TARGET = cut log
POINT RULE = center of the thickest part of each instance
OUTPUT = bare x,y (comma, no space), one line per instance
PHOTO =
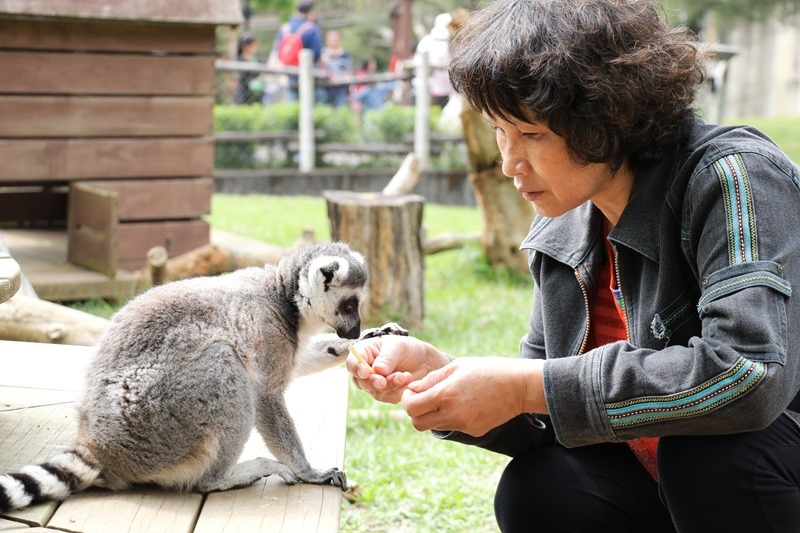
387,231
23,318
228,252
245,251
448,241
406,177
157,258
16,280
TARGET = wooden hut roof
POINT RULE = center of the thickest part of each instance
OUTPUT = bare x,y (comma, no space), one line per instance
168,11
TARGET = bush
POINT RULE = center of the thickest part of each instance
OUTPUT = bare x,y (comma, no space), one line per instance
392,123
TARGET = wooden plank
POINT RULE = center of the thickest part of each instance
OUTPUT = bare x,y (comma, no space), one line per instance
77,159
157,199
42,255
134,239
8,525
105,36
105,74
54,367
270,504
111,116
142,509
92,228
14,398
195,11
30,436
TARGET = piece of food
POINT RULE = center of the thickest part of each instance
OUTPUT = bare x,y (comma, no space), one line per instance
360,358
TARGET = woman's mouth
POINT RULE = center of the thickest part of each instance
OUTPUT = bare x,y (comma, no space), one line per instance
531,196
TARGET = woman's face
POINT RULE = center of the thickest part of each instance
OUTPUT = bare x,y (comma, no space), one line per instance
547,176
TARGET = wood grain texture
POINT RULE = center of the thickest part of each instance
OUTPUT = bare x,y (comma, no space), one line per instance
105,74
188,11
51,116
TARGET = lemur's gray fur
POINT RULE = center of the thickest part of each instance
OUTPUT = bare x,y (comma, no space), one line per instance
187,369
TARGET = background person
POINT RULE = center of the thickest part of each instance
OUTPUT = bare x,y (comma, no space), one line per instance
437,45
337,62
250,85
311,35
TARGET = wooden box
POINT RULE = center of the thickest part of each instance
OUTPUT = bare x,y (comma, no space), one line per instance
109,106
113,224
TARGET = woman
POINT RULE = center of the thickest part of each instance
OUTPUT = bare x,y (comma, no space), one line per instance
657,388
250,88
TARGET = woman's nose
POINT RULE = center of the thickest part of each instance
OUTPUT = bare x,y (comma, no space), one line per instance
514,162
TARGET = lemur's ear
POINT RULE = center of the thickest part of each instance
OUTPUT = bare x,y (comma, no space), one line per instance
325,271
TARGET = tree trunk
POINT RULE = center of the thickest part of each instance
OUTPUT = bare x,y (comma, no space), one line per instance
23,318
506,215
387,231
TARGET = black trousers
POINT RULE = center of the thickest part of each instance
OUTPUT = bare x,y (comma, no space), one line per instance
748,482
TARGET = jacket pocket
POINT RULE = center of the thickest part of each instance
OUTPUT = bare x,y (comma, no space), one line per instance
744,306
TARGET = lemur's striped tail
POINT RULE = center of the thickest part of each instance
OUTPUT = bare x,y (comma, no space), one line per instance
67,472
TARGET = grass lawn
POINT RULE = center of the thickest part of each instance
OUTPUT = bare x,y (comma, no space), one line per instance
785,131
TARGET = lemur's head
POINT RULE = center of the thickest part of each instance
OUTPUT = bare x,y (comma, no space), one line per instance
333,287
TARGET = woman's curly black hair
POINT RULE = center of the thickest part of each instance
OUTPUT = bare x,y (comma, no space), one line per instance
609,76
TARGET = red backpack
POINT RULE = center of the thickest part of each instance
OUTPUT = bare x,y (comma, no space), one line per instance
291,44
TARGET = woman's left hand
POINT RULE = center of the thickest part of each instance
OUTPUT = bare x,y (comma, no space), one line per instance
475,394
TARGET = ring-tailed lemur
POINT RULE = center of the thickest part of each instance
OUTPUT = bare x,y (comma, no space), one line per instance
187,369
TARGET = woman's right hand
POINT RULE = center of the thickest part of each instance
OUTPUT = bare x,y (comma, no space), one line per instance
396,361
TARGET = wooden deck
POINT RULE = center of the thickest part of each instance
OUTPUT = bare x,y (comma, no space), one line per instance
42,256
38,386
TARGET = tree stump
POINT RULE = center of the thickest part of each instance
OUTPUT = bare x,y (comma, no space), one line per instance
387,231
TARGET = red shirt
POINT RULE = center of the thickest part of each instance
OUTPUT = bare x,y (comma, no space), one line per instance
607,325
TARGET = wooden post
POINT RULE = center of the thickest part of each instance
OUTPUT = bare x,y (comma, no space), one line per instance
306,126
422,133
387,231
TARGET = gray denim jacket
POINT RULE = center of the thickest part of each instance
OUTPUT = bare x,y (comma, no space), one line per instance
707,255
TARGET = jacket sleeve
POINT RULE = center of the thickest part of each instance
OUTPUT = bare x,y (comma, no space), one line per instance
739,234
518,435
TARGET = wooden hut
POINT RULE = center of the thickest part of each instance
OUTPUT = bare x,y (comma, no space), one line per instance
106,123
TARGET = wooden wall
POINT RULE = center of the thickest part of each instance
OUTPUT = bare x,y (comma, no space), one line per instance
125,106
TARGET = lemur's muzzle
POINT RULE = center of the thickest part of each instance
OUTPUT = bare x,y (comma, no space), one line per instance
351,333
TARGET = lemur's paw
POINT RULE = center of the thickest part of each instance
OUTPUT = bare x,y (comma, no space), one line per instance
390,328
339,479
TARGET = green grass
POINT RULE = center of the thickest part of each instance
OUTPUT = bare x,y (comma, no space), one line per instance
785,131
410,481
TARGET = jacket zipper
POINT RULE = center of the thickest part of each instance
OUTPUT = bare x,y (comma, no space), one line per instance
585,293
619,288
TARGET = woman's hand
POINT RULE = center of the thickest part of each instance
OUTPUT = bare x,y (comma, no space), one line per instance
396,362
475,394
